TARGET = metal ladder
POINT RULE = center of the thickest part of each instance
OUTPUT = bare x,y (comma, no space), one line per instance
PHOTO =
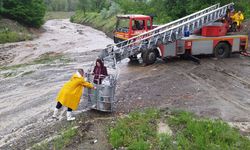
165,34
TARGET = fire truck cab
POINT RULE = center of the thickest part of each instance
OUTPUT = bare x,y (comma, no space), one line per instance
128,26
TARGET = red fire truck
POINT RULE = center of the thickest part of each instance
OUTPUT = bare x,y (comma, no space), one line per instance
212,38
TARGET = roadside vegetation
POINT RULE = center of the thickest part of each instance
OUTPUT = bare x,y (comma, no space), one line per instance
60,9
58,15
61,5
16,16
62,140
29,12
20,20
101,14
142,130
139,131
96,21
12,31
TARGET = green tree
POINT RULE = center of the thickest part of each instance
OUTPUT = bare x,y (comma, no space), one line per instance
165,10
61,5
84,5
28,12
94,5
1,6
72,4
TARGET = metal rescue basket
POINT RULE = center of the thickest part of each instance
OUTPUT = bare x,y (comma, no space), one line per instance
103,98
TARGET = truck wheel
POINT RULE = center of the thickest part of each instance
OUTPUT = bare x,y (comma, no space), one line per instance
116,40
222,50
133,58
149,56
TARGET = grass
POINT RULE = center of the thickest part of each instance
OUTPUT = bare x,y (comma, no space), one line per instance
60,142
65,139
198,133
12,36
138,131
58,15
11,31
95,20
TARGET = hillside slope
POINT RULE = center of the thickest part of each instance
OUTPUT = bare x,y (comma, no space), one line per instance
12,31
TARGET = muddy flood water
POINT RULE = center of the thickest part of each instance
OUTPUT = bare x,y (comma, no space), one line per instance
215,88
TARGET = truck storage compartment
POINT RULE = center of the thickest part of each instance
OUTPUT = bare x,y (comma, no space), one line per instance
214,29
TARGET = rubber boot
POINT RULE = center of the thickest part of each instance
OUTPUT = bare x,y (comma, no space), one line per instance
55,114
69,116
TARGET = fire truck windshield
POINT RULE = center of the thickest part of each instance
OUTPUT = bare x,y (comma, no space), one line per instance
122,25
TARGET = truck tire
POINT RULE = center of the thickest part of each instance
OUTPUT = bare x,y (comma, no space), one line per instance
222,50
133,58
116,40
149,56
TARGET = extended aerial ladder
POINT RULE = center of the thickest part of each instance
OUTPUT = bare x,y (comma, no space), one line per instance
165,34
103,98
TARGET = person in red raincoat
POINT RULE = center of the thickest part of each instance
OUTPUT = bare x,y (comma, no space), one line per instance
99,72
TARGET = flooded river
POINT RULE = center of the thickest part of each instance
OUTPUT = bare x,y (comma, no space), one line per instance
27,92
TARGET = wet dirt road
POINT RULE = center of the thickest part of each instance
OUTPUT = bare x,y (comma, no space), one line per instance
216,88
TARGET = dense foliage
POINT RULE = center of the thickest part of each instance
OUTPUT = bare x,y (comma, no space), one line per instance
61,5
31,12
165,10
72,5
28,12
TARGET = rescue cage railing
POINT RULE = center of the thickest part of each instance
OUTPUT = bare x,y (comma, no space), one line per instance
103,97
166,33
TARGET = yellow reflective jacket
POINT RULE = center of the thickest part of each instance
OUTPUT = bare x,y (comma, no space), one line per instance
70,94
238,18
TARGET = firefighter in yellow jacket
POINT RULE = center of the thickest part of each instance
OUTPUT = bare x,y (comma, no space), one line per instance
238,18
70,94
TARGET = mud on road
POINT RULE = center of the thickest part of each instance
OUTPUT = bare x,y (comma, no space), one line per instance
215,89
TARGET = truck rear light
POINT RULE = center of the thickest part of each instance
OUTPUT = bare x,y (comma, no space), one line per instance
188,44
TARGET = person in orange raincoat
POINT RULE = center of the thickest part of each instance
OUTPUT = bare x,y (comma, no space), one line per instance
238,18
70,94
